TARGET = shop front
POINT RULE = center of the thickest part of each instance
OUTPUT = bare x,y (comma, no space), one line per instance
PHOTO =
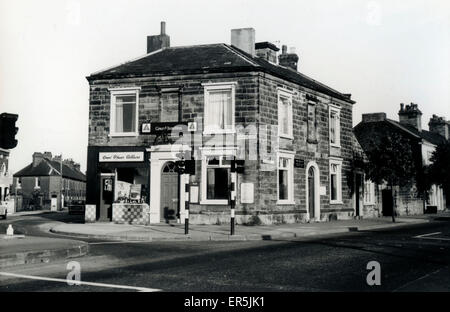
118,184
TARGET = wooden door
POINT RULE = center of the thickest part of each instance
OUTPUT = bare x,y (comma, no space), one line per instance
169,192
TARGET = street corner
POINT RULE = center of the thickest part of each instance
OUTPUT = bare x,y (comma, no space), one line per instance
33,250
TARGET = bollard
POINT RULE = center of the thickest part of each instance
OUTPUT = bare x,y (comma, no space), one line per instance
10,230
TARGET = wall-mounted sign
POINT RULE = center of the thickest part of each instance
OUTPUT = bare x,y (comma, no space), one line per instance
194,194
159,127
323,190
120,156
299,163
192,126
145,127
247,193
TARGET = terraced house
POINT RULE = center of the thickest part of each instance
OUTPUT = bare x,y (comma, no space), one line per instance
215,102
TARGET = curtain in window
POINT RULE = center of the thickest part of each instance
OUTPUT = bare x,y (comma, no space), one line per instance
333,128
125,113
219,109
284,118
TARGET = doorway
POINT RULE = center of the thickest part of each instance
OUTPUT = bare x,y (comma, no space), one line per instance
106,198
169,192
358,193
388,202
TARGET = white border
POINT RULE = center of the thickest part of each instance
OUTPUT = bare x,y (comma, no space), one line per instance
112,121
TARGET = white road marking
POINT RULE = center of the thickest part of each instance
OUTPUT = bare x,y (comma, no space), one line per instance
429,234
118,242
60,280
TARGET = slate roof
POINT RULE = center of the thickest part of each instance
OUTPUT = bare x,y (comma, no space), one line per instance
211,58
426,135
50,168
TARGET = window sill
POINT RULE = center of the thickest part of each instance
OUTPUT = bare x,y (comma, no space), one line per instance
335,145
214,202
212,132
286,136
336,202
285,202
126,134
369,204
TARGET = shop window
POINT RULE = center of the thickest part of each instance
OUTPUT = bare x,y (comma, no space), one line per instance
131,185
216,180
219,107
124,111
285,178
335,182
169,106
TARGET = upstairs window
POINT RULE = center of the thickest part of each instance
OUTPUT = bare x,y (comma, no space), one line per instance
19,182
284,114
37,183
219,107
169,106
124,112
335,126
312,124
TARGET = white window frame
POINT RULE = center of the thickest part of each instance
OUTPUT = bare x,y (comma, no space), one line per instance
335,110
207,87
37,183
286,94
338,162
221,154
290,156
371,189
18,183
114,92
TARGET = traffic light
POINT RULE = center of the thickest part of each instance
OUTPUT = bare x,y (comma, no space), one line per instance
190,166
8,130
240,166
181,166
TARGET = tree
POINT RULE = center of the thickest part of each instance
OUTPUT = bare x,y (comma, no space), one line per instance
439,170
390,161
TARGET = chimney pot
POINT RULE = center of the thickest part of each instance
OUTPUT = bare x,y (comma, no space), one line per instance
163,28
284,49
158,42
411,115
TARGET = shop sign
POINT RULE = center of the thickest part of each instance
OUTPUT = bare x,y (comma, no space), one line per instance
120,156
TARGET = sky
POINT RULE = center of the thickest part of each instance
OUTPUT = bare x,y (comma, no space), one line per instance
382,52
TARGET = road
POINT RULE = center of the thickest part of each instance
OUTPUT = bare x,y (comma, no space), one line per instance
411,258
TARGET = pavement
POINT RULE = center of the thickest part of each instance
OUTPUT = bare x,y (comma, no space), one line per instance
21,249
175,232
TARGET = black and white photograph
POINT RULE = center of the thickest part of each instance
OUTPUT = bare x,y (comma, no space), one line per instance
214,154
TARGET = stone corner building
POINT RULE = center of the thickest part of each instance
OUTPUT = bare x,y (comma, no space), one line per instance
378,198
48,183
247,101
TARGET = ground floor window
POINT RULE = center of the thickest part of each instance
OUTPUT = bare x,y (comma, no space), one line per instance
335,181
369,192
216,179
285,178
131,185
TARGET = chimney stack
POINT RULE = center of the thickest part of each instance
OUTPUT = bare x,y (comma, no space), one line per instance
244,39
440,126
37,158
410,115
158,42
267,51
289,60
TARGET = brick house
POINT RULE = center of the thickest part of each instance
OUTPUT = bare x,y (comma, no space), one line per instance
378,198
242,100
41,185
